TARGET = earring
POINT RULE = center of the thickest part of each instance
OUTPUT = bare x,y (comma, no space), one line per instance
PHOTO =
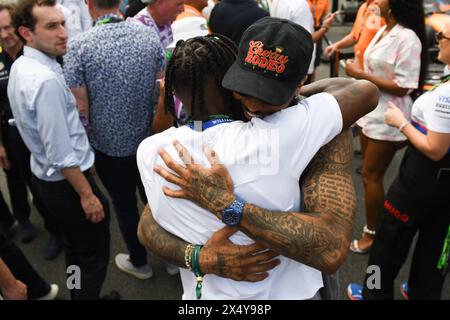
390,16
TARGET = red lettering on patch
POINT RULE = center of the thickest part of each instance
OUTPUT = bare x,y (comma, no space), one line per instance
270,60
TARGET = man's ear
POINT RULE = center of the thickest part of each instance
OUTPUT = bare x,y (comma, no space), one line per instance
25,33
300,85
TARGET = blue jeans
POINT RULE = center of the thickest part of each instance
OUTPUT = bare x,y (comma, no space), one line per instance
120,176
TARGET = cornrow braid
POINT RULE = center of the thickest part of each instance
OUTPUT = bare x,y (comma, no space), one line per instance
191,62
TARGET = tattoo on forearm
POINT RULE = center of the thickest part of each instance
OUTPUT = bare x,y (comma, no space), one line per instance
322,237
162,243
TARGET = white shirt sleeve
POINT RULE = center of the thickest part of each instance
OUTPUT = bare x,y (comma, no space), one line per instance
303,129
437,115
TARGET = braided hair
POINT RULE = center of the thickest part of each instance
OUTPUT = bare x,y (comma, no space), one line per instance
195,61
410,14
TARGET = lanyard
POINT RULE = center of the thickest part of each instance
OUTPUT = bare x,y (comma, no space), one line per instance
443,260
214,120
111,18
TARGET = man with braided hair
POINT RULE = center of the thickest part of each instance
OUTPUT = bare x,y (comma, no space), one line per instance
306,242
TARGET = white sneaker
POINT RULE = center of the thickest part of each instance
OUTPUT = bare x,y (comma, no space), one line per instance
172,269
51,295
124,264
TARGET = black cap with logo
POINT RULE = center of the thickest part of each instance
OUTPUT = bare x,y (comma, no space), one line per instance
273,57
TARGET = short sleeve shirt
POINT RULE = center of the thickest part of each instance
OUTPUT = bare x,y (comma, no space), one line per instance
397,57
432,110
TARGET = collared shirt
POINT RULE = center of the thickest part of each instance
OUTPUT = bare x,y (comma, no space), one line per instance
164,32
396,57
46,116
121,100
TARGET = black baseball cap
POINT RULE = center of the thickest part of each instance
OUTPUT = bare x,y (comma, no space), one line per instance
273,57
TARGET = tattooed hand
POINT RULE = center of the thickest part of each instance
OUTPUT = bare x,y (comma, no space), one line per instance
241,263
218,256
211,188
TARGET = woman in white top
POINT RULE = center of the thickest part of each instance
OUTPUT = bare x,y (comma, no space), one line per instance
419,198
395,61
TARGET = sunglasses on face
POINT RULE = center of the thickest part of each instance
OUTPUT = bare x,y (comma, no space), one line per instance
440,36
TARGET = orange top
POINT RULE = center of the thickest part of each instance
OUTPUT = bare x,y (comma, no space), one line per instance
190,11
366,25
318,9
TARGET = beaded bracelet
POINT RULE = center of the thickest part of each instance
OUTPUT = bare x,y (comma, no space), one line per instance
196,269
188,256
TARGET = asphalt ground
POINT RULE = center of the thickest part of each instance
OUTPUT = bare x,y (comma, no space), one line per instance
163,286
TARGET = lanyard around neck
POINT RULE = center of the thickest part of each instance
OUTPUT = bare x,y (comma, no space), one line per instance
213,120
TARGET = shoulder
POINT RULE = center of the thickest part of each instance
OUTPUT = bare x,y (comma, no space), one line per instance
149,147
30,70
407,36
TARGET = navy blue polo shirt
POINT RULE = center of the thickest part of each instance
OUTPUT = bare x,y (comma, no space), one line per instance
232,17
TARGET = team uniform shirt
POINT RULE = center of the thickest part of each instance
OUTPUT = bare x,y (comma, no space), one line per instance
297,11
319,8
395,57
265,159
431,111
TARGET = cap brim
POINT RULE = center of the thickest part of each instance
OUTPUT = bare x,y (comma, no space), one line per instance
271,91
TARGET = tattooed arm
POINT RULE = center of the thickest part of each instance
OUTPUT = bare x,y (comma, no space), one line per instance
218,256
319,238
356,98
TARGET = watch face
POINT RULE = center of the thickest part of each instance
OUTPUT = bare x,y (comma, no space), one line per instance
230,217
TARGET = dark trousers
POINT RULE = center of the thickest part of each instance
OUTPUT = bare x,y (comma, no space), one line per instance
419,202
22,269
86,244
6,219
120,177
18,178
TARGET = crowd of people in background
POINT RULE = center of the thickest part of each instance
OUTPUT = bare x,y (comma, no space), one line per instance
104,87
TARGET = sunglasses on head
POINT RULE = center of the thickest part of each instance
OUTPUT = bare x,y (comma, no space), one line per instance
440,36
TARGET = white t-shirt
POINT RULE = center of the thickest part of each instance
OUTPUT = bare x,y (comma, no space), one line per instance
265,159
432,109
297,11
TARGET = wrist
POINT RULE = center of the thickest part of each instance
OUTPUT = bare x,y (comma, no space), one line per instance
403,125
325,27
86,194
227,199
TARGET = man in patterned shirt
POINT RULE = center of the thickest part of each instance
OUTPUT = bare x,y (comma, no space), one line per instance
111,69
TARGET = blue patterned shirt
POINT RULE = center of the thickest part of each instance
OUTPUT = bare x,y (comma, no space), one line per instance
117,63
